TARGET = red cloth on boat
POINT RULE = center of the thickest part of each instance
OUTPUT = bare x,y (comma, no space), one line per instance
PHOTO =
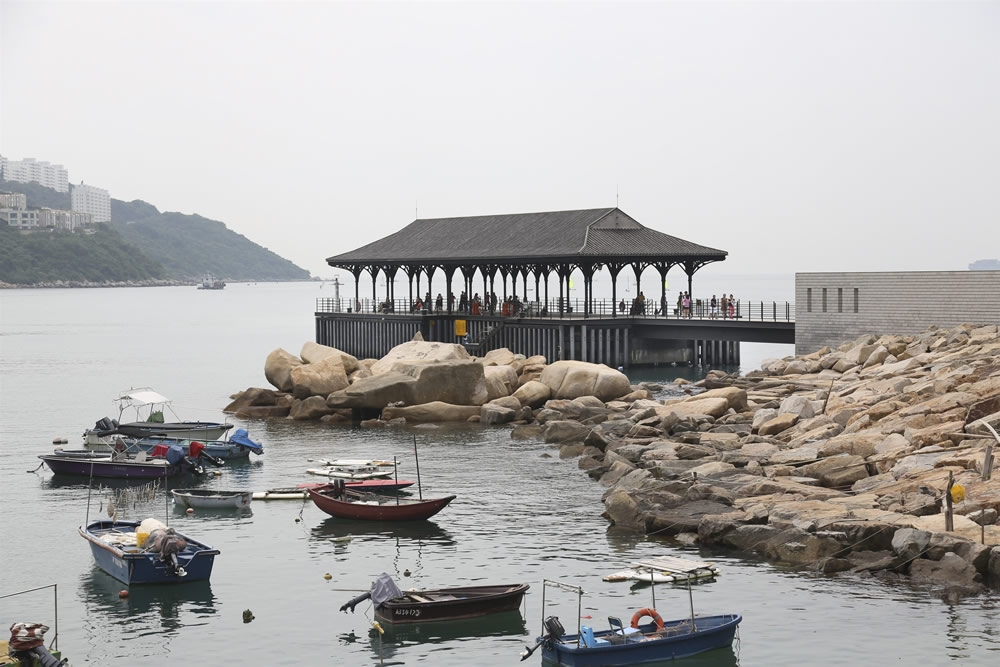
196,448
160,450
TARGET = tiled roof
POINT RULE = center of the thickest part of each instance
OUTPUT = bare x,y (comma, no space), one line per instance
524,237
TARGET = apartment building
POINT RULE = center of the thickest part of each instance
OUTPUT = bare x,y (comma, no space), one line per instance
95,201
29,170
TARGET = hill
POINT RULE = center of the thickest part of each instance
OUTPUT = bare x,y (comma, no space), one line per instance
28,259
172,246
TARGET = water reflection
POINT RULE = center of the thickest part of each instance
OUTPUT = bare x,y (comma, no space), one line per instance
429,531
399,636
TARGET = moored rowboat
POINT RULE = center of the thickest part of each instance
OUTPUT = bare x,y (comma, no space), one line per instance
210,499
361,506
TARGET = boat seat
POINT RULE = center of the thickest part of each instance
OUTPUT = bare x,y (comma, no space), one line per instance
588,639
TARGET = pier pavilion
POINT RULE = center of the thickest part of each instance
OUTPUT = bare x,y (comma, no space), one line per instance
474,254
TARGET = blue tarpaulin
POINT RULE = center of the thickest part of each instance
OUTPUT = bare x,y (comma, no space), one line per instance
175,454
240,437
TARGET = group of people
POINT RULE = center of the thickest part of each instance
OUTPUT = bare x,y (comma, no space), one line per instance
727,304
475,305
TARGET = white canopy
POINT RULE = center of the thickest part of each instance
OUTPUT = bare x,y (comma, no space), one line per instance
139,397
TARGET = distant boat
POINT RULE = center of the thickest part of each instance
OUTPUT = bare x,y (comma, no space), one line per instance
211,282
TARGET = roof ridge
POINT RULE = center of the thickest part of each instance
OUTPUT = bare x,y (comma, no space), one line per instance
498,215
586,234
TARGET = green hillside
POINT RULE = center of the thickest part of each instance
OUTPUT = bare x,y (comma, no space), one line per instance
170,246
27,259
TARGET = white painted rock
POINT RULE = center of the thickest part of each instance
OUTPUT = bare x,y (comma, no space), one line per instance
572,379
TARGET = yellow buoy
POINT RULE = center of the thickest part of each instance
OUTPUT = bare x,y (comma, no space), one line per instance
328,576
957,493
378,627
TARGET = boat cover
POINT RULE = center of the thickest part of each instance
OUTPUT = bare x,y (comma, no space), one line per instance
175,454
240,437
143,396
384,588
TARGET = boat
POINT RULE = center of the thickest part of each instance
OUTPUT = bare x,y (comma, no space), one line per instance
439,604
148,407
210,499
119,465
355,463
344,503
302,490
162,559
211,282
26,645
352,473
237,446
665,570
636,644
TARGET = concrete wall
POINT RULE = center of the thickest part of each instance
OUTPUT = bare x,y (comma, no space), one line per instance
905,302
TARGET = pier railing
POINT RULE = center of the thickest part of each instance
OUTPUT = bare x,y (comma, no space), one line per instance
554,309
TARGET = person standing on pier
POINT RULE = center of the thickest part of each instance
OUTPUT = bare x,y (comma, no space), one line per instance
439,303
715,307
732,306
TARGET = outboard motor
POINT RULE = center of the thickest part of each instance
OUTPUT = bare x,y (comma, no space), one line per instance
555,632
105,426
339,488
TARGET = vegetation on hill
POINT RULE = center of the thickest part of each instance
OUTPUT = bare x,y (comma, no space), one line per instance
51,256
170,246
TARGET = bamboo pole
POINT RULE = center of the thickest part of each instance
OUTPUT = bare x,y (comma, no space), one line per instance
949,519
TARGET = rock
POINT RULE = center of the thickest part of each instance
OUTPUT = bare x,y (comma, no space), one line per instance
736,398
571,379
263,411
278,369
909,543
941,544
420,351
500,381
952,572
499,357
313,407
533,393
975,554
761,417
994,564
799,406
872,561
526,432
877,356
493,414
564,430
314,352
984,517
778,424
570,451
320,378
374,392
435,411
714,407
682,519
617,470
621,510
414,383
253,397
837,471
713,469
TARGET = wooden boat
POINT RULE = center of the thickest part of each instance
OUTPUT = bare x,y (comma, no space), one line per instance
148,407
362,506
665,570
440,604
210,499
116,551
302,490
639,643
354,463
351,473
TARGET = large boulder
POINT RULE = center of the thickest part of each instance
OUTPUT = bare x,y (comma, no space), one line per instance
415,350
735,397
713,406
622,510
778,424
458,381
432,412
797,405
564,431
320,378
313,407
500,381
909,543
253,397
572,379
314,352
499,357
837,471
374,392
493,414
952,572
533,393
278,369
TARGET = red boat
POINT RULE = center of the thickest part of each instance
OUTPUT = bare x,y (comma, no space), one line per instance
347,503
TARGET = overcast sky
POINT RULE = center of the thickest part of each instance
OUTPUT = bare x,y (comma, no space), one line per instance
797,136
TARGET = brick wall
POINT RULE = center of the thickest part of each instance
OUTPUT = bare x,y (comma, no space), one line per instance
903,303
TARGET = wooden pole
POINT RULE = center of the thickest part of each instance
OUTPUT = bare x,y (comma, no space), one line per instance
949,520
420,489
395,469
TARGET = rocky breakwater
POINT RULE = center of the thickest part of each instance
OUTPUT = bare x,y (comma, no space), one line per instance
420,382
837,460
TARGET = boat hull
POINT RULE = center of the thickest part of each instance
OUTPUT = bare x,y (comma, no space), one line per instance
713,632
84,467
180,430
204,499
134,566
392,509
467,602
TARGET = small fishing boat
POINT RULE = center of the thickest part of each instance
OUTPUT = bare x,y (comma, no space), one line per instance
344,503
166,558
355,463
210,499
302,490
117,465
148,407
352,473
26,645
237,446
440,604
665,570
636,644
211,282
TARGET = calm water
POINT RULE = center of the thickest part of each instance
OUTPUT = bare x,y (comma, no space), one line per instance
522,514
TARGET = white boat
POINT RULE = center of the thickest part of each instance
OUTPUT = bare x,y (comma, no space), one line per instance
211,282
353,473
211,499
292,493
665,570
148,409
355,463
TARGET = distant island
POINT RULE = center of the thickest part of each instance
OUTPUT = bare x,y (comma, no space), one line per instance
985,265
141,245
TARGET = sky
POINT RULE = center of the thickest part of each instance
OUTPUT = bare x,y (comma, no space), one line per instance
807,136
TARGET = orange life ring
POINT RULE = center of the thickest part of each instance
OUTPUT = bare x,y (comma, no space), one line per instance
647,612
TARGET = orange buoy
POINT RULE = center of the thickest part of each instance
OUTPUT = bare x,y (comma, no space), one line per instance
123,594
190,510
647,612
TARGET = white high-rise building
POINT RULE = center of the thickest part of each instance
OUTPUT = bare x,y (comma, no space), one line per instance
95,201
29,169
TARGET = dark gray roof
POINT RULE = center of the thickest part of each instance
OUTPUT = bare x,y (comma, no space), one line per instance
598,233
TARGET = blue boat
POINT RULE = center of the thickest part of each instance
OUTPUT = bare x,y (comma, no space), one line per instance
237,446
640,643
114,547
